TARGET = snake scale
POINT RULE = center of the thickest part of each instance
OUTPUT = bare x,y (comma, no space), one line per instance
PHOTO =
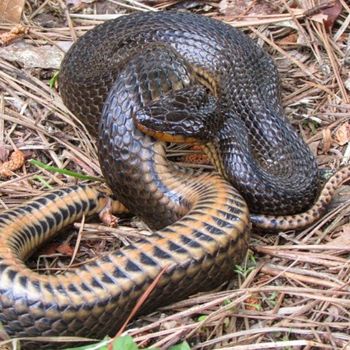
135,82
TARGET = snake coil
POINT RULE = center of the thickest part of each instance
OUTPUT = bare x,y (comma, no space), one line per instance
172,76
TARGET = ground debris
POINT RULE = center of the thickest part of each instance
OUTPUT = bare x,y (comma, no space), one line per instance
293,289
15,162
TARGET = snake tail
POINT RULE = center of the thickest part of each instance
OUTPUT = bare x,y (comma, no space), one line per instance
302,220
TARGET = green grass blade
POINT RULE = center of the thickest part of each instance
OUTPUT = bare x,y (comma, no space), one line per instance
64,171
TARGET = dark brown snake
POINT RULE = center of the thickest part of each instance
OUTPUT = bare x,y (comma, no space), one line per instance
179,77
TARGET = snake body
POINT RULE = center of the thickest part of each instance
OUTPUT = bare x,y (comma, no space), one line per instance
260,153
177,76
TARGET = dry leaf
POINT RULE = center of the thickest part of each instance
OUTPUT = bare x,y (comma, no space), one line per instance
48,249
34,56
15,162
84,166
320,18
11,10
107,217
73,2
4,153
326,12
234,8
290,39
252,303
342,134
326,140
347,83
65,249
55,247
334,314
314,147
76,5
332,13
15,33
343,239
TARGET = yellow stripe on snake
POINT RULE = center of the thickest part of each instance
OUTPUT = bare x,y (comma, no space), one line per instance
136,82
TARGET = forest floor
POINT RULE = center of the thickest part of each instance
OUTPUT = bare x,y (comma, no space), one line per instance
293,290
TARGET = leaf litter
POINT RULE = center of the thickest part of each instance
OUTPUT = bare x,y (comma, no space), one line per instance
292,291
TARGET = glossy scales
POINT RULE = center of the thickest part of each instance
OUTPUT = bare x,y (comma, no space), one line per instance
143,58
106,81
198,252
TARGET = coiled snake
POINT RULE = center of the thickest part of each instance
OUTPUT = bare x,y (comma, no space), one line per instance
173,76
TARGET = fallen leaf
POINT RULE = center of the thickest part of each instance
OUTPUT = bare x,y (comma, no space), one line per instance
347,83
16,32
65,249
55,247
4,153
107,217
334,314
84,166
319,17
342,134
30,56
325,12
73,2
77,5
48,249
15,162
326,140
343,239
290,39
332,13
314,147
11,10
236,8
252,303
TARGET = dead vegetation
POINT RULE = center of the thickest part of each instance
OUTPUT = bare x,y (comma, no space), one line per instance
293,290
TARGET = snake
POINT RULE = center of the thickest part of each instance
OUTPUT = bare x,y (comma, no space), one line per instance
137,82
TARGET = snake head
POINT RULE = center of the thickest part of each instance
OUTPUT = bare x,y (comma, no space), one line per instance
180,117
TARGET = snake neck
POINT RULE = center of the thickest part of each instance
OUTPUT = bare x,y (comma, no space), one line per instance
135,165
